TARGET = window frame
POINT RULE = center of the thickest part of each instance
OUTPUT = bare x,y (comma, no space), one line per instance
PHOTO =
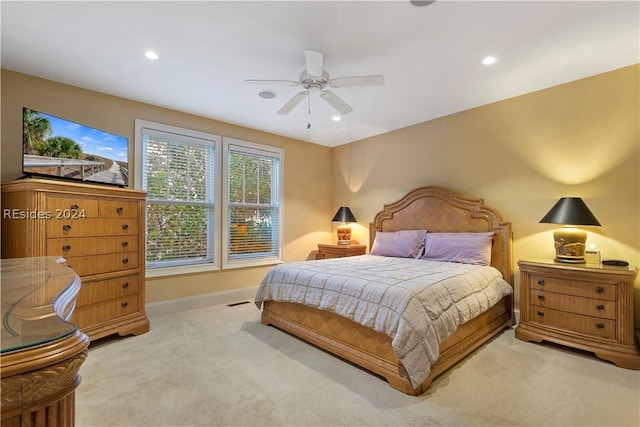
228,145
222,147
184,134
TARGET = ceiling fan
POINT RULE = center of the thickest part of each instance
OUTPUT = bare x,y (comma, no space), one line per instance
315,79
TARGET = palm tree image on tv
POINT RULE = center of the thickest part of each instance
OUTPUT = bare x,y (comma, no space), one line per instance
61,148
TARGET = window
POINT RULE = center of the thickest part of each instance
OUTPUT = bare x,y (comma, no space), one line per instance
178,172
208,199
252,206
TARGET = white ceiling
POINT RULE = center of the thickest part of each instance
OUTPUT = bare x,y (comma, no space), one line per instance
430,56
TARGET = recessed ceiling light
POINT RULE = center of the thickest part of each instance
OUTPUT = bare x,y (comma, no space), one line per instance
489,60
151,55
267,94
336,118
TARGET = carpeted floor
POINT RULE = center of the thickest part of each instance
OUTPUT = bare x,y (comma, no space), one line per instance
218,366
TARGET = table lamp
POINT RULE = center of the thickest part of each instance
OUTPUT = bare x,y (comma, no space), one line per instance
570,242
344,216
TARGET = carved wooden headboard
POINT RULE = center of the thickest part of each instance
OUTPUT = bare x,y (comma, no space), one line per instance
438,209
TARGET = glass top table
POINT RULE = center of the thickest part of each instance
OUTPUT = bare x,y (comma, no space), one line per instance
38,298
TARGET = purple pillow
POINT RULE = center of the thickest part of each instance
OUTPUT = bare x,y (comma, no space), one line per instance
467,248
401,244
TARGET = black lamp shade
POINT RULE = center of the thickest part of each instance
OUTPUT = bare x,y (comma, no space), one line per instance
344,215
570,211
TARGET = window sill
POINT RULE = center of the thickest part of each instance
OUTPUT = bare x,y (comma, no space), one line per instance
184,269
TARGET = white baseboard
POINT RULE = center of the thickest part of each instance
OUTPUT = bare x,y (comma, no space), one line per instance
516,315
200,301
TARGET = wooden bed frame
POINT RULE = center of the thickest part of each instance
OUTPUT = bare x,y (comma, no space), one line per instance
435,209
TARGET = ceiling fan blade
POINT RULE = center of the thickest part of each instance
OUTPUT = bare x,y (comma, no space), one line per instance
374,80
285,82
293,102
336,102
313,60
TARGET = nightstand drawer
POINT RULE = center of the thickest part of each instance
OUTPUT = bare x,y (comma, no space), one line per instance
573,287
578,305
583,324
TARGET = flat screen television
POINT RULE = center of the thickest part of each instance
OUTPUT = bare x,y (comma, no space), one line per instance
57,148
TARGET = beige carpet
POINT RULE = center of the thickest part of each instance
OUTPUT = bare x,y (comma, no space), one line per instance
219,366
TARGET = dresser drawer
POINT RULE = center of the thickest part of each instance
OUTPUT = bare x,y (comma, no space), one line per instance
103,290
575,322
605,291
92,314
91,227
117,209
71,207
98,264
578,305
81,246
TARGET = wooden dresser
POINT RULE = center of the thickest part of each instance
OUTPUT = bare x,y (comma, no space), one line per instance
99,230
339,251
583,306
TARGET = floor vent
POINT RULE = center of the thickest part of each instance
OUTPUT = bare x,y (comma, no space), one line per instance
238,303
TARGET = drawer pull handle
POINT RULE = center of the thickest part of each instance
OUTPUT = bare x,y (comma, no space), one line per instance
600,325
125,227
125,244
66,227
66,248
541,313
125,285
125,260
541,297
541,282
74,207
124,304
600,307
600,290
119,209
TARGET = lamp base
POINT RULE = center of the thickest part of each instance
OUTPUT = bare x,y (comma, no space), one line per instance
344,234
570,244
570,260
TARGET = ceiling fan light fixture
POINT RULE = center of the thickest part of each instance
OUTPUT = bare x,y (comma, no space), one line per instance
420,3
314,79
267,94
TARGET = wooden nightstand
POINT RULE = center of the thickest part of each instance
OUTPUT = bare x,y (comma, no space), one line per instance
339,251
582,306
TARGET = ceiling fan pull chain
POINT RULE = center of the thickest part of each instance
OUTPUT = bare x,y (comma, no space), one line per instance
309,109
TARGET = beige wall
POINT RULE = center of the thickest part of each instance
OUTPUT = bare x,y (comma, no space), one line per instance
520,155
307,192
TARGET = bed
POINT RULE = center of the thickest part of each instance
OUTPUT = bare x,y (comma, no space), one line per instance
370,346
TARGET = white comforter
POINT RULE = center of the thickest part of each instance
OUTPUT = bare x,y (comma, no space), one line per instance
417,303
